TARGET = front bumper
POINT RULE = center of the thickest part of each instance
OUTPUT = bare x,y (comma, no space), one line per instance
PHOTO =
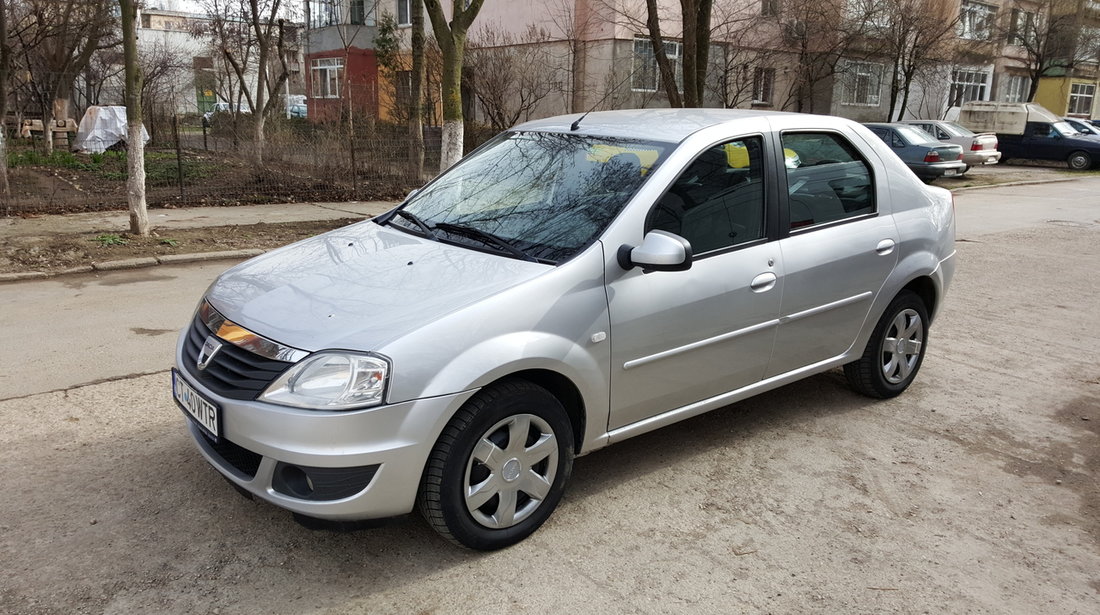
342,466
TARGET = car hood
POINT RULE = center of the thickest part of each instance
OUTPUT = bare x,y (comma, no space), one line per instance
360,286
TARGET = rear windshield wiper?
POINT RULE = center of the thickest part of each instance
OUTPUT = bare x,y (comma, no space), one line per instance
487,238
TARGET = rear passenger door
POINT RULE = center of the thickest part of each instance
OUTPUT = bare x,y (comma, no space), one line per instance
836,249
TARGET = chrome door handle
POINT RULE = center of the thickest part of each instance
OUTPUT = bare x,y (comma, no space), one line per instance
885,246
763,282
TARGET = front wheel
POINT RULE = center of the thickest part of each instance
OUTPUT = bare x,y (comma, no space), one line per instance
895,351
499,468
1079,161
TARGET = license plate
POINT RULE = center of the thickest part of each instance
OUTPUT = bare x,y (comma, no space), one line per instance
949,172
201,411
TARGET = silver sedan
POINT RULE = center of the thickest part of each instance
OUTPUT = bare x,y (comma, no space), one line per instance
575,282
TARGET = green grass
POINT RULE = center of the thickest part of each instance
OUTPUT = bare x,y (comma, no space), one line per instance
160,167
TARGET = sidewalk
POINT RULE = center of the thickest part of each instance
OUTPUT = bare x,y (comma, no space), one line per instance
188,217
163,222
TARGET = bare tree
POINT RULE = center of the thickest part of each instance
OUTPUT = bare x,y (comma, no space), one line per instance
451,37
916,36
510,75
1051,40
744,68
5,70
252,37
819,34
416,92
57,45
135,144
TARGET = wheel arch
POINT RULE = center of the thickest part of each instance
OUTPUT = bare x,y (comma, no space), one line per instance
925,288
566,392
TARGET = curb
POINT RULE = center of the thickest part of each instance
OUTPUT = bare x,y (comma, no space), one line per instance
133,263
1028,182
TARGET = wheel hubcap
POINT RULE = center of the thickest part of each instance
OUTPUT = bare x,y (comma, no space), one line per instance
901,347
510,471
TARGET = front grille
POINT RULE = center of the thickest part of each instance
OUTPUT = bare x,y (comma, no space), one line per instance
239,457
234,372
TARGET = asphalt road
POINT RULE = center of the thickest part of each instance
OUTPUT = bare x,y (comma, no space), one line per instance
977,491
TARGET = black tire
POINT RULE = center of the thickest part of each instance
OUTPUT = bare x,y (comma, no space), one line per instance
879,373
494,414
1079,161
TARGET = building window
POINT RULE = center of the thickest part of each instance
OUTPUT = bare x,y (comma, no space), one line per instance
404,12
1014,88
763,83
967,85
862,83
1080,99
324,13
647,76
976,20
1021,30
327,73
146,21
769,8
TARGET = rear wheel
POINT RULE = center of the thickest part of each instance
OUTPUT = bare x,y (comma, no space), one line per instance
1079,161
895,351
499,468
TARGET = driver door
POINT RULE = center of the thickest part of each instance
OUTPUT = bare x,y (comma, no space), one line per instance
684,336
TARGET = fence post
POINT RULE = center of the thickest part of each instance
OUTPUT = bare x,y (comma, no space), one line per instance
179,152
204,147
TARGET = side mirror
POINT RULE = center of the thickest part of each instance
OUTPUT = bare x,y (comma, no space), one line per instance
660,251
411,194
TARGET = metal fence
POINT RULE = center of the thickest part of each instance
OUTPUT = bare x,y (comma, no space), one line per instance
190,162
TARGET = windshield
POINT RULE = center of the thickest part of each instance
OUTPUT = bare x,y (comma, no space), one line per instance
1064,129
547,195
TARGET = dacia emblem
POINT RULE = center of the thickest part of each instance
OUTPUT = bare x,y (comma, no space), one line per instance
209,348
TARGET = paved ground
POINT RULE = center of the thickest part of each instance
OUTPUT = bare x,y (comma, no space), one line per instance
975,492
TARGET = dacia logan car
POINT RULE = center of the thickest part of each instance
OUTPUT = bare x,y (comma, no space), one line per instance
574,282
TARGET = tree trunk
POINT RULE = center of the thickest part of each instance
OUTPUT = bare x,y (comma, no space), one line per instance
451,37
5,67
416,95
135,144
453,129
668,76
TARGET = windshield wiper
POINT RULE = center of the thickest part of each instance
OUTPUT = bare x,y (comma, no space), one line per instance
487,238
415,219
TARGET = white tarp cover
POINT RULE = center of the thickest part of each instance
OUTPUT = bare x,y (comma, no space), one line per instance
102,127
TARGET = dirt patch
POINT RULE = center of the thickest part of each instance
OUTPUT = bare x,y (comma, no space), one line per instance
58,252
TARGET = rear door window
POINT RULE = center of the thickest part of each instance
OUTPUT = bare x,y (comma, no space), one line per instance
832,183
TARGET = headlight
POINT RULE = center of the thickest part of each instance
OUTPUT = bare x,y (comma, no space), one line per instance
331,381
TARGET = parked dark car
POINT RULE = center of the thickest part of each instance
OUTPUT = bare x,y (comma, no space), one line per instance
921,152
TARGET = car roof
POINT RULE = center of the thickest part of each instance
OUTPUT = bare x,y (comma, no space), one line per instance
670,125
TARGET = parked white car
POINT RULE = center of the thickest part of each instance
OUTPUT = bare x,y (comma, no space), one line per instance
574,282
978,149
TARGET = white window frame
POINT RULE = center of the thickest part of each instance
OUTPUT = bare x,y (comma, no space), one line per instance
976,20
763,85
862,84
1014,88
968,84
1022,26
406,6
323,13
326,75
1081,97
648,78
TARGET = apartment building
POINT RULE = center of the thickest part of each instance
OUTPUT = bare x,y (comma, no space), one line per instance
534,58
